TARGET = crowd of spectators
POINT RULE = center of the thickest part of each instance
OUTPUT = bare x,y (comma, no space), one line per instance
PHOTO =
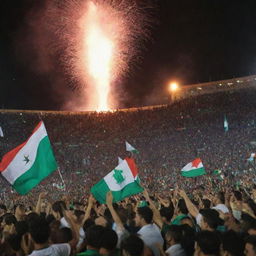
216,211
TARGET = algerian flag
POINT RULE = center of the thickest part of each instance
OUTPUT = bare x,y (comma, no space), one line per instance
225,124
28,164
217,172
122,181
120,160
130,148
251,158
1,132
193,169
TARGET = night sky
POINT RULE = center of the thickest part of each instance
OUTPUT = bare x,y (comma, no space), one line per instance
191,41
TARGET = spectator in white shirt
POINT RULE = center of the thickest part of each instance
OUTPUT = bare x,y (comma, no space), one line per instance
149,232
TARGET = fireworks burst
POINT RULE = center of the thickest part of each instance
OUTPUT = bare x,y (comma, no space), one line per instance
93,42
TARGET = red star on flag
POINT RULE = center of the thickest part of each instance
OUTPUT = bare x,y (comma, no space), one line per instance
196,162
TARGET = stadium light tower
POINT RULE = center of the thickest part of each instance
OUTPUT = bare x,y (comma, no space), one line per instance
173,86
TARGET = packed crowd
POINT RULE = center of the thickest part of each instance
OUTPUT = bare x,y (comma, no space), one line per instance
216,216
218,223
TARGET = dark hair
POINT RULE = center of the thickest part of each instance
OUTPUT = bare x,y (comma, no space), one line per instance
188,239
167,212
182,206
209,242
88,223
9,219
206,203
221,197
238,195
94,236
133,245
175,232
211,217
18,205
39,230
233,243
21,227
146,213
109,239
251,240
78,213
31,216
3,207
58,207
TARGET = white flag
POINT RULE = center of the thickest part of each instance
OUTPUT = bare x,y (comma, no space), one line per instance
1,132
130,148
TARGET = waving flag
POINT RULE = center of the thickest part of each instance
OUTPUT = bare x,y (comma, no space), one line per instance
193,169
28,164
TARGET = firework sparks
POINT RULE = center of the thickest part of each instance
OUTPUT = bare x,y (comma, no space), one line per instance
89,45
100,56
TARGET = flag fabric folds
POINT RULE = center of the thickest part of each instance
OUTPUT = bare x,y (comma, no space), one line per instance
251,158
120,160
130,148
28,164
1,132
225,124
193,169
122,181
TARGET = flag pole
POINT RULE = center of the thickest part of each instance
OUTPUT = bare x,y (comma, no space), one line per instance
61,178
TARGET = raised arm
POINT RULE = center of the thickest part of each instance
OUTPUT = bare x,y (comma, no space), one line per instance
193,210
157,216
116,218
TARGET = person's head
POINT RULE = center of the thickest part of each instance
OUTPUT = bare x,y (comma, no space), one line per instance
132,246
206,203
173,235
88,223
9,219
188,221
220,198
94,235
19,210
207,243
232,244
79,216
102,221
58,208
188,239
3,209
39,230
252,228
238,195
210,219
250,246
182,208
143,216
167,214
109,241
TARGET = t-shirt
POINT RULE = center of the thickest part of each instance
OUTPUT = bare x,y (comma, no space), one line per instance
151,236
221,207
53,250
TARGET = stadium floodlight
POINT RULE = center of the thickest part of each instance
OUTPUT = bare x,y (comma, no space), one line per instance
173,86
